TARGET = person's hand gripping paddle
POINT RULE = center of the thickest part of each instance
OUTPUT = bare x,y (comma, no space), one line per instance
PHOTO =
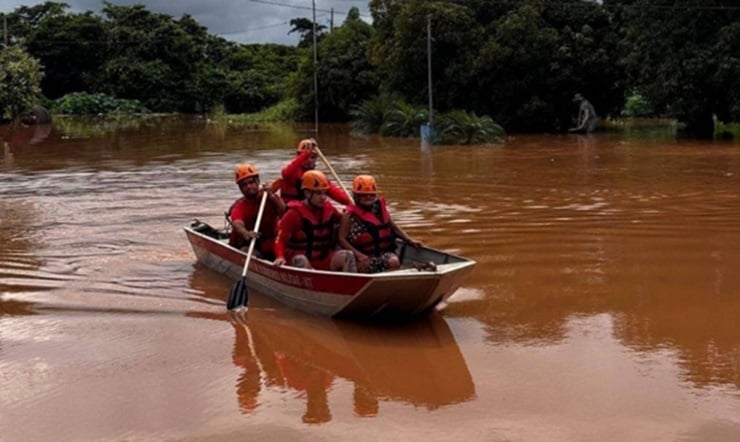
238,296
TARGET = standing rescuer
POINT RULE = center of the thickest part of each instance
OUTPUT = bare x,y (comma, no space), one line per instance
306,232
243,213
368,230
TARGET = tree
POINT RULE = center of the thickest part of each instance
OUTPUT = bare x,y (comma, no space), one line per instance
25,19
683,56
400,49
345,75
520,62
304,28
154,58
258,75
20,76
72,50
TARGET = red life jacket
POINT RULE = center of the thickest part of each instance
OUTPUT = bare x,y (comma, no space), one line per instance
316,237
378,236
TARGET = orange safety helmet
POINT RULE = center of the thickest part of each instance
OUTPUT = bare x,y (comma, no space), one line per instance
306,144
244,171
314,180
364,185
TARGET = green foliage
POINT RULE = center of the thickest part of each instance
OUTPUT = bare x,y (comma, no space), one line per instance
520,62
370,115
637,106
71,49
256,76
283,111
81,103
20,78
304,28
397,118
683,56
345,75
460,127
403,120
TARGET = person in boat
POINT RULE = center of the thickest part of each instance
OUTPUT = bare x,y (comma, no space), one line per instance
242,215
292,174
587,118
368,231
307,231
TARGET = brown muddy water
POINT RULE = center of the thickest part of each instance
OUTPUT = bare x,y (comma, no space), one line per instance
605,304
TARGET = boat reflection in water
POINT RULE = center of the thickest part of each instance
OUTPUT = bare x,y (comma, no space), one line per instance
281,350
417,363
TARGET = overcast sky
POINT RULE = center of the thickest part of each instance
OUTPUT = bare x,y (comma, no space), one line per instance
246,21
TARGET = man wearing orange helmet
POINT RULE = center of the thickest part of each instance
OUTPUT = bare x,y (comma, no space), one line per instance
305,159
243,213
368,231
305,235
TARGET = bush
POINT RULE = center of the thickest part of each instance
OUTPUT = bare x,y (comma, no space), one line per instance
385,116
20,79
285,110
637,106
460,127
82,103
370,116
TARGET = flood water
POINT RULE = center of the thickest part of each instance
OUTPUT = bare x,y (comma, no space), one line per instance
605,304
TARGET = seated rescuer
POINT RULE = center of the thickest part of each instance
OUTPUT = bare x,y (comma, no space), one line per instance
368,230
306,232
292,174
243,213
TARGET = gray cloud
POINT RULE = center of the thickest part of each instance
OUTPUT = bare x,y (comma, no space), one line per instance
245,21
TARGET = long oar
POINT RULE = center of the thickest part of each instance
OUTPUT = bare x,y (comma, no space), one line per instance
238,296
334,174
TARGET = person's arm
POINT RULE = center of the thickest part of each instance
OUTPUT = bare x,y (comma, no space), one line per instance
286,227
363,260
401,234
295,167
344,226
275,201
337,194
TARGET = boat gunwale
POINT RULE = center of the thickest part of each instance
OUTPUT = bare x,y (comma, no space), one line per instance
400,274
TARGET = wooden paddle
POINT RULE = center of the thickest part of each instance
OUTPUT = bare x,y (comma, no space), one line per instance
334,174
238,296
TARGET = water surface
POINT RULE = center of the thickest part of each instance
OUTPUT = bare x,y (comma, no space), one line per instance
604,304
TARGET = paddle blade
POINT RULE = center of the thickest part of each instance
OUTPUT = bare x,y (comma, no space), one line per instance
238,296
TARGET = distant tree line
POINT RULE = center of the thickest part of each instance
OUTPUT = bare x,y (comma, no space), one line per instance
518,61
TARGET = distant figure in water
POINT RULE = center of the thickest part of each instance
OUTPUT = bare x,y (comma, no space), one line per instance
587,118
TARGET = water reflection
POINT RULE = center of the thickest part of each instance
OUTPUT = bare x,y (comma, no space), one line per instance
283,351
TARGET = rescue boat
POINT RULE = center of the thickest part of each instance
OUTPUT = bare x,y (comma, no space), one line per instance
427,277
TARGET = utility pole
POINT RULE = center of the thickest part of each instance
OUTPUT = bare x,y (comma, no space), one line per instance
429,68
331,21
5,29
315,76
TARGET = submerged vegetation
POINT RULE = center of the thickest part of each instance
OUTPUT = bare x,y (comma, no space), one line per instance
82,103
396,118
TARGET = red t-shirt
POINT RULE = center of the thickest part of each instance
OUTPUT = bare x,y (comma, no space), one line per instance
292,174
246,210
